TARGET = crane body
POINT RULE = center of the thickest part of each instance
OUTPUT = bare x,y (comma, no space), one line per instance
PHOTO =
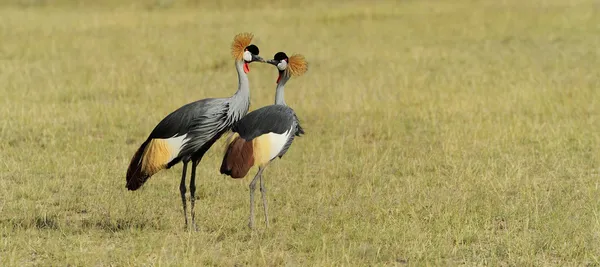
264,134
260,137
189,132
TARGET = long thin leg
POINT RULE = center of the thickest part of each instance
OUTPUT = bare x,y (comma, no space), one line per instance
193,193
182,190
263,192
252,188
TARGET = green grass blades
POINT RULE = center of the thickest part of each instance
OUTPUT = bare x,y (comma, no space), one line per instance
437,133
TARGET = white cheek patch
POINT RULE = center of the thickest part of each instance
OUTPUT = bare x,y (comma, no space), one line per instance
247,56
282,65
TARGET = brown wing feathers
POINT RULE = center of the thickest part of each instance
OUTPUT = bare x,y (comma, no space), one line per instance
238,158
151,157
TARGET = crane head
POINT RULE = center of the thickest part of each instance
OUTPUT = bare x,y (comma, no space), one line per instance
243,50
289,66
250,55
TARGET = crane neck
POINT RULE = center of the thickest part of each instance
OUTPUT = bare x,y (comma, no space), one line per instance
243,83
279,91
240,101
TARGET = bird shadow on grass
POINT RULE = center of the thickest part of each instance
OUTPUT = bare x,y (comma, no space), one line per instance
121,224
43,222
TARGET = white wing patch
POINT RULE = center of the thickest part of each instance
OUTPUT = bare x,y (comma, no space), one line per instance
277,142
176,144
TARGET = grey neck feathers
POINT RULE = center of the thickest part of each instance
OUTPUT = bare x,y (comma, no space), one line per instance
279,95
240,101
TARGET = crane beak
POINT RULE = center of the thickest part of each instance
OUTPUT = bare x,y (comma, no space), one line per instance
254,58
257,58
273,62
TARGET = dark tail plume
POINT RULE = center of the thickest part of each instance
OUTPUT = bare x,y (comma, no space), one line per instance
136,177
238,158
299,129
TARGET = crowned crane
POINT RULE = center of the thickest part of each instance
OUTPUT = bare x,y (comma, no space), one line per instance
264,134
187,133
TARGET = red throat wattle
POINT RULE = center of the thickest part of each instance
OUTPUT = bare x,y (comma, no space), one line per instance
278,78
246,68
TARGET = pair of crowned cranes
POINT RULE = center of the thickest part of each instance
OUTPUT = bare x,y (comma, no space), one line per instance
257,137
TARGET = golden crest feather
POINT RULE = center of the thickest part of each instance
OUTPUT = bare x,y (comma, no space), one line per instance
240,42
297,65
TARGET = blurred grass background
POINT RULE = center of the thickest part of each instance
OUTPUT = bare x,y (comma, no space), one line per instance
438,132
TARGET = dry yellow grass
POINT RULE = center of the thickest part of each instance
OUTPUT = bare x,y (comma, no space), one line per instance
438,132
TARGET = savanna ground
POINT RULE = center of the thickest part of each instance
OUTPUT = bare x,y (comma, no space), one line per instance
438,132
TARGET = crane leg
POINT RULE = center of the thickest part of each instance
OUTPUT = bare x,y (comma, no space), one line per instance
252,189
182,190
193,193
263,192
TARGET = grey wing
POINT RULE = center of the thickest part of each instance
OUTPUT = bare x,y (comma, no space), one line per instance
210,122
177,123
269,119
290,140
298,131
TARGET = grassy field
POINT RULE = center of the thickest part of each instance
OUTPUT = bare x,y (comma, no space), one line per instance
438,132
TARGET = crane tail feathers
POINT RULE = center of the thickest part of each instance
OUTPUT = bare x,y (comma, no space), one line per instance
152,156
239,158
299,131
135,176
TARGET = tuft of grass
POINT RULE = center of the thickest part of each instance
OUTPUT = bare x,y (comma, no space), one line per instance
438,132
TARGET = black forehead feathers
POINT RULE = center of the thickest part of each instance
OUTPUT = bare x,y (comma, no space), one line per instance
253,49
280,56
